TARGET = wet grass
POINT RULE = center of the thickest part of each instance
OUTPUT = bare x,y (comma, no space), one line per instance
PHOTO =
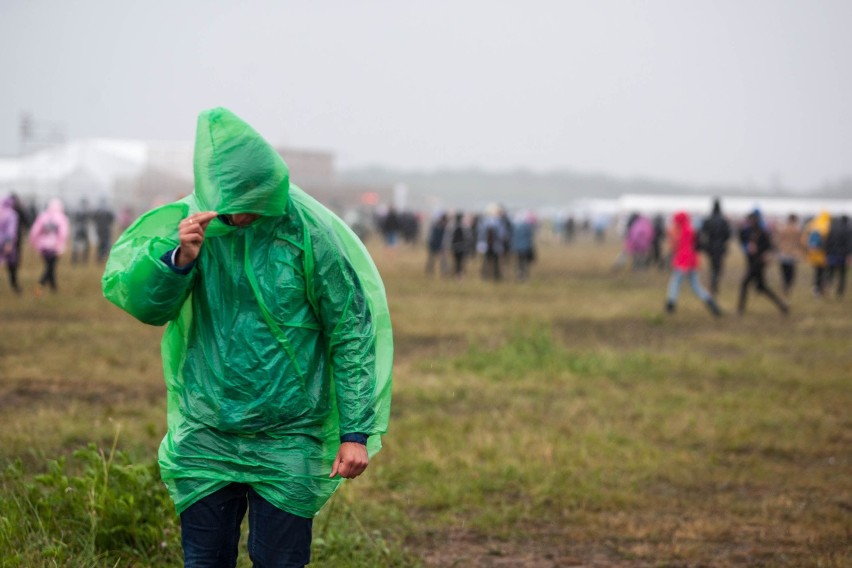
562,421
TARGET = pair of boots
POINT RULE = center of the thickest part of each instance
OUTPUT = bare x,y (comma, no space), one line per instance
710,303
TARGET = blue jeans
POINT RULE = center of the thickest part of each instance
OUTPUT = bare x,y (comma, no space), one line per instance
692,275
210,531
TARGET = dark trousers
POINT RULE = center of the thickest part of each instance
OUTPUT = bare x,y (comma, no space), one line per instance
210,531
819,280
48,277
523,267
788,276
491,266
838,271
13,276
755,274
80,250
458,268
717,260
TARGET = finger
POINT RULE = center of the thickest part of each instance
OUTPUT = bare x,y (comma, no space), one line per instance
196,228
356,468
345,469
199,219
191,236
335,466
203,218
356,471
193,239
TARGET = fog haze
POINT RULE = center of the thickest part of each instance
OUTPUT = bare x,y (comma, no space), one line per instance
702,92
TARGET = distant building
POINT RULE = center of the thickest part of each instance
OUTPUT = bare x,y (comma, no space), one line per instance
309,166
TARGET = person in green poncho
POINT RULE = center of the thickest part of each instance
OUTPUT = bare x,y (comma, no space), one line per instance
277,352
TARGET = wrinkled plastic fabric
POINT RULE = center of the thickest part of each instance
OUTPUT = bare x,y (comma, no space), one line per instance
278,341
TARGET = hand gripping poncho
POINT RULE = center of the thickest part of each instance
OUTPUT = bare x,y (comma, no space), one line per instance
278,341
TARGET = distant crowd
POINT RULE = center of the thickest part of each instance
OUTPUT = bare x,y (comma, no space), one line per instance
504,245
822,241
50,232
496,245
500,242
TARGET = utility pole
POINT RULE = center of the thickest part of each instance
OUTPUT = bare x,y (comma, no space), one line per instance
37,135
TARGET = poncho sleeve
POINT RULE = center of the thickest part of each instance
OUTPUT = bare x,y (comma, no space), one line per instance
136,279
362,379
348,326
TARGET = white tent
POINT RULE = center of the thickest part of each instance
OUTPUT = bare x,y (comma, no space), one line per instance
735,206
73,171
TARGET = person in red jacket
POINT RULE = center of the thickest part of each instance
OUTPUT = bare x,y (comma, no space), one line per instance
685,264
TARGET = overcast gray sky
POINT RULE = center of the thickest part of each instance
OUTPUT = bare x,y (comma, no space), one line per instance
720,91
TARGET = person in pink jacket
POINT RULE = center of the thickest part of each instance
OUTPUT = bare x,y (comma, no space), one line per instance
640,238
49,236
685,264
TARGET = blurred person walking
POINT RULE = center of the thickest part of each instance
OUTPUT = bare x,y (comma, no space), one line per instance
713,240
490,243
391,225
10,222
685,264
599,226
49,236
626,247
473,233
80,242
508,229
838,249
657,256
523,245
789,247
569,229
437,244
26,216
460,244
278,351
639,242
103,218
757,246
813,239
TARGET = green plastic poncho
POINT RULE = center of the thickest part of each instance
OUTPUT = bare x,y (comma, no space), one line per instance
279,339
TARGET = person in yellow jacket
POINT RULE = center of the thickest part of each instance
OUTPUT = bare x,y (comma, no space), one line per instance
277,354
813,239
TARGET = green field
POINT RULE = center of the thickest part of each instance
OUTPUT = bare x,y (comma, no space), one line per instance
566,421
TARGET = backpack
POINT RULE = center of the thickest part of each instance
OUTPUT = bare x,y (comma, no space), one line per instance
815,240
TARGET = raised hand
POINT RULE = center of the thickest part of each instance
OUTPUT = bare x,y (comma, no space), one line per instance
191,234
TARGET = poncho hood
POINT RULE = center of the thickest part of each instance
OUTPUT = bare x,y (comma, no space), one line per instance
822,222
55,206
684,257
236,170
681,219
